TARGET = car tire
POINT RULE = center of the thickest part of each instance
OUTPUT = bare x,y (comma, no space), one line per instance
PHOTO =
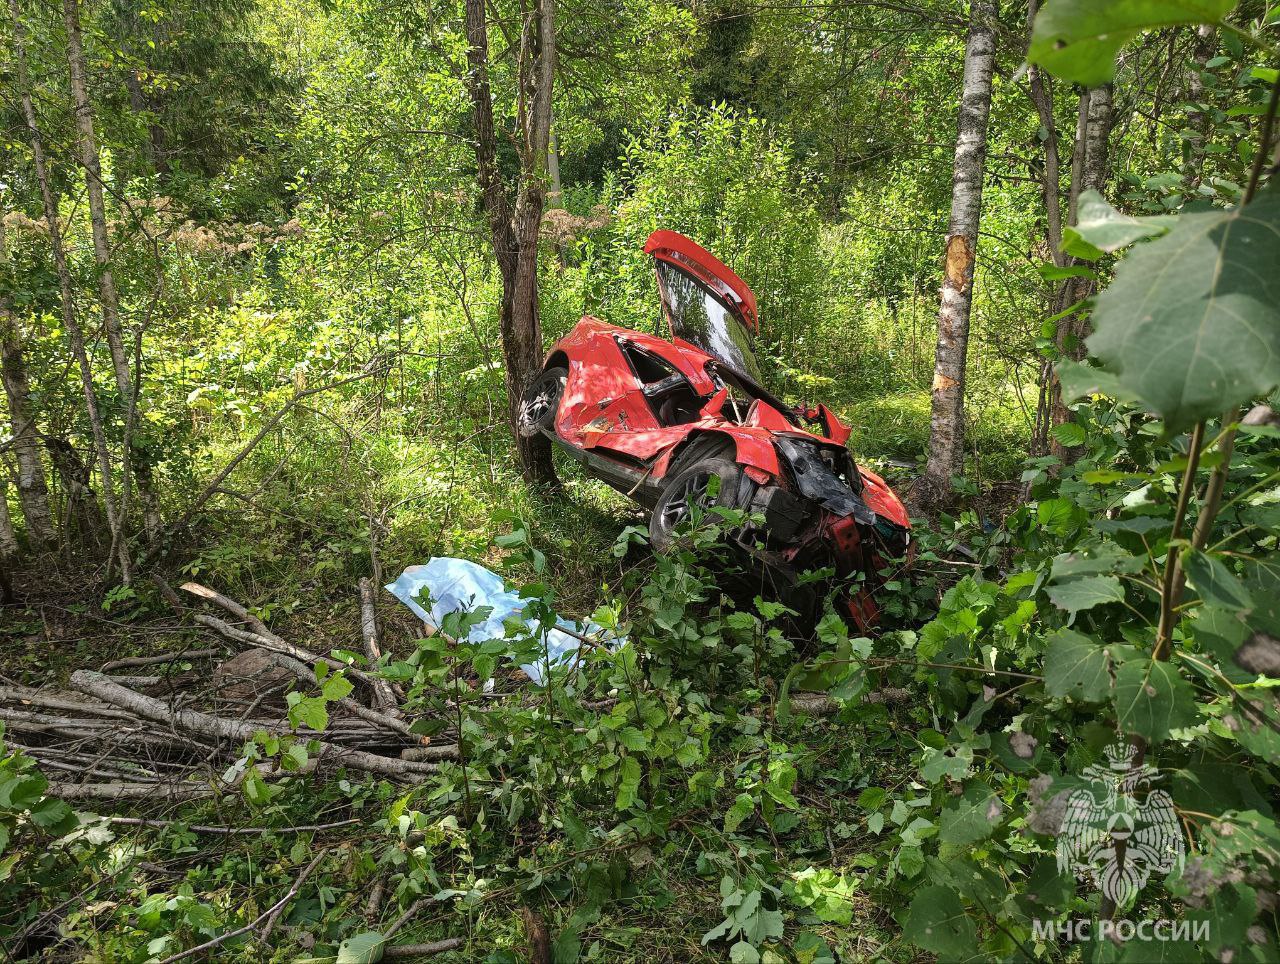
688,486
541,402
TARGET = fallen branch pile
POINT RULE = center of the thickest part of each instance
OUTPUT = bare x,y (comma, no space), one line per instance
178,736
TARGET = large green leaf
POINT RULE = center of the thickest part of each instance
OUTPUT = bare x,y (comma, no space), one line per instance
1078,40
937,922
1087,592
1216,584
1191,325
1152,698
363,948
972,817
1101,229
1076,666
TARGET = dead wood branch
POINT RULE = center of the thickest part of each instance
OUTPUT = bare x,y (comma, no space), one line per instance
304,673
277,645
424,753
24,695
232,831
134,661
383,697
413,951
130,791
137,681
231,606
203,724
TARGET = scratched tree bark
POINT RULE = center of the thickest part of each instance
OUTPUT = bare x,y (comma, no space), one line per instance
946,424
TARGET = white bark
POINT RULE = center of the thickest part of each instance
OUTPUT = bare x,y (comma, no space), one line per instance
946,427
33,490
8,538
75,334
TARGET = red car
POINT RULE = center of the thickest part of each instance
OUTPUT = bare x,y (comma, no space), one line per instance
657,419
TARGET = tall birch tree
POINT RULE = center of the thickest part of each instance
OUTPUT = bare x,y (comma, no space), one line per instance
946,424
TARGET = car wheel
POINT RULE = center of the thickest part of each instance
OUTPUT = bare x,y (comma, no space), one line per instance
691,487
541,401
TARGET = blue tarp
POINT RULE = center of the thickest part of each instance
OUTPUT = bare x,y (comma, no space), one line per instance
452,585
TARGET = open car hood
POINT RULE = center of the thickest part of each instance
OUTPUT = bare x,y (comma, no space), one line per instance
706,304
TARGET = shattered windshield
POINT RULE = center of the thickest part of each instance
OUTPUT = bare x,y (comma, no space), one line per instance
701,318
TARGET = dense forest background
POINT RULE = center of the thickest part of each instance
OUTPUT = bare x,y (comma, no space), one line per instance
256,334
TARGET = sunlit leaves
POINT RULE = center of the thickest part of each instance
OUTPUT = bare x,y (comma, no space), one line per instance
1191,325
828,894
628,783
746,918
1078,40
362,948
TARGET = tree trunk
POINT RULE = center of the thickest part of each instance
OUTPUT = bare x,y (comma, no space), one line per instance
1197,119
75,335
514,234
86,141
1041,94
1051,174
8,537
33,490
946,428
153,146
1093,166
88,145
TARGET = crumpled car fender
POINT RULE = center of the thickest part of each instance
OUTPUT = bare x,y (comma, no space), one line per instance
753,450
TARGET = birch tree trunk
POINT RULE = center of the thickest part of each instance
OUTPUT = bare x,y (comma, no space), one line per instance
514,232
8,537
33,490
75,335
946,427
87,143
1093,149
1197,119
107,294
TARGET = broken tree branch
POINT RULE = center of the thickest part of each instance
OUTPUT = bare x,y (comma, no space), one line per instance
231,831
383,697
134,661
231,606
401,951
277,645
202,724
129,791
305,674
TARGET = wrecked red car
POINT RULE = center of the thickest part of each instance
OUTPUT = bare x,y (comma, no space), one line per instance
658,418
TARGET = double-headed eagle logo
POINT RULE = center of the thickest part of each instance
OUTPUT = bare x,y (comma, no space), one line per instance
1118,831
